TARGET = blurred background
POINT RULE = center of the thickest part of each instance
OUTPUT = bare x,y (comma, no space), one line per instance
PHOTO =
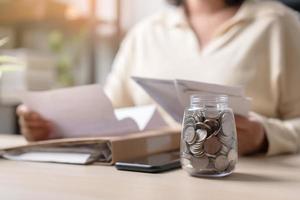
46,44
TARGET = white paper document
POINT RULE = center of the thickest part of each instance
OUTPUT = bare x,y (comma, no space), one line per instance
174,95
146,117
57,157
86,111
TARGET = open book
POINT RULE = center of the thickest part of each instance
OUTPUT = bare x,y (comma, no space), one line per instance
174,95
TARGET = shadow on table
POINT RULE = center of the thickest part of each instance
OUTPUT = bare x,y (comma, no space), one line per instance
286,161
244,177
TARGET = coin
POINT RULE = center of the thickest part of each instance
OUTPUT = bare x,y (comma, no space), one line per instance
228,127
212,114
190,119
189,134
200,163
202,134
228,141
185,161
199,155
212,123
211,164
201,125
224,150
197,149
221,163
212,145
186,155
198,116
184,147
217,132
189,113
210,155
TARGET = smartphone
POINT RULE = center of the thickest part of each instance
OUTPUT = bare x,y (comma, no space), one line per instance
152,164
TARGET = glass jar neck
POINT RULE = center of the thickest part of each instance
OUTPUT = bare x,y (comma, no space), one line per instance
209,101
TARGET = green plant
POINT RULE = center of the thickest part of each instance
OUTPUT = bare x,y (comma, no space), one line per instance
66,48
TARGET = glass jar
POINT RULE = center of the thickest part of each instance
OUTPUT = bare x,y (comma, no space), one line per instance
208,138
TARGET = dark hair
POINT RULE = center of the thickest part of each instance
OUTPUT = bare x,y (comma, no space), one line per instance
228,2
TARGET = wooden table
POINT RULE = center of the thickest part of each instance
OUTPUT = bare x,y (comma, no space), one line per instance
255,178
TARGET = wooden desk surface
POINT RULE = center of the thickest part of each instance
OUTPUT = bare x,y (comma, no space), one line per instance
255,178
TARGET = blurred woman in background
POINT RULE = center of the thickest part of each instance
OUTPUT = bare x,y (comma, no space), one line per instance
249,43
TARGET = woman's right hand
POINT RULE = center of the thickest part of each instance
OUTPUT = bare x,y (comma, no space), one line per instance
33,126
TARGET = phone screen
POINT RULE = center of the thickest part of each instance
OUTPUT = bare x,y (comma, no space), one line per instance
153,163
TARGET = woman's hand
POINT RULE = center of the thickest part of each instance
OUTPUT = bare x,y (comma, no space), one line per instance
251,136
33,126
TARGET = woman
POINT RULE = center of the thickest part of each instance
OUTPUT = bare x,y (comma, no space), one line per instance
232,42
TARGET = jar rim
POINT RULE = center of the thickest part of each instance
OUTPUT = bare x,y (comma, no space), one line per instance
208,98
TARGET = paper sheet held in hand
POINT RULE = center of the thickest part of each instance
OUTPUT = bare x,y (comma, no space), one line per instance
86,111
174,95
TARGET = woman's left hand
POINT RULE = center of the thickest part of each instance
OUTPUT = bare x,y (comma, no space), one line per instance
251,135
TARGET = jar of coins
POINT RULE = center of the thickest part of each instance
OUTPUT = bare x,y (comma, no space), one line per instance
208,139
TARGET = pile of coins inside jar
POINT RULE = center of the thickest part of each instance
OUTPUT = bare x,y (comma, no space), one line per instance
209,142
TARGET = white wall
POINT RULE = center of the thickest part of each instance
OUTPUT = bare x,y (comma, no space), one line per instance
135,10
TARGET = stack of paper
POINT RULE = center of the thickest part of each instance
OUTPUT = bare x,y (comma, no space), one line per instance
103,150
86,111
174,95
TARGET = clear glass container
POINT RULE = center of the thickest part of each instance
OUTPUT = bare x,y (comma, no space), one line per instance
208,138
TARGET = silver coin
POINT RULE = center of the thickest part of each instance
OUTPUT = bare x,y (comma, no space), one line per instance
199,155
186,155
188,117
212,114
185,161
198,117
188,123
197,149
184,147
201,125
211,164
189,113
221,163
224,150
228,124
226,140
217,131
212,145
210,155
212,123
200,163
189,134
197,145
202,134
